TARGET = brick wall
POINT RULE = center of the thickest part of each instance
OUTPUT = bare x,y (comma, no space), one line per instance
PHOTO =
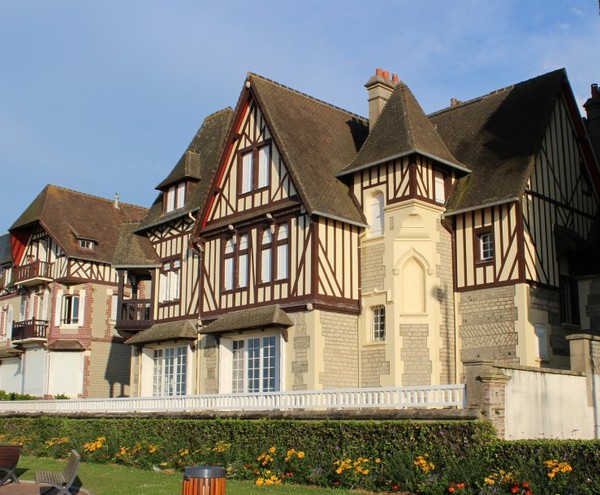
445,295
488,324
372,269
415,355
373,365
300,348
340,350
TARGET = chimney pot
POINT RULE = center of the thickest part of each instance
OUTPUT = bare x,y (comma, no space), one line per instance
378,72
395,78
595,92
454,102
386,74
116,201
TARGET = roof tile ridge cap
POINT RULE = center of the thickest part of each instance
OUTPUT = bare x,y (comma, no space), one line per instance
88,195
213,115
317,100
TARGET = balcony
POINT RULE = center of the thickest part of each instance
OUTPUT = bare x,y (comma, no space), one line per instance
29,329
34,273
135,314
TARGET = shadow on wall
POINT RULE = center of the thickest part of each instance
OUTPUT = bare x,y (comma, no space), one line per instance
118,370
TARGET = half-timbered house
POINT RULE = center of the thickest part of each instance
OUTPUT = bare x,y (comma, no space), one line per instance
330,250
58,298
158,269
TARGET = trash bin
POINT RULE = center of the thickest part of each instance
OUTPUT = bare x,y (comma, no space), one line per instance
204,480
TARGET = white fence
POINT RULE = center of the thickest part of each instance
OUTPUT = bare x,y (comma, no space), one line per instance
435,396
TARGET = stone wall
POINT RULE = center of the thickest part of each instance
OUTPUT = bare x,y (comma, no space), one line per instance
210,350
373,365
109,370
445,295
300,347
371,267
487,325
340,350
415,355
548,300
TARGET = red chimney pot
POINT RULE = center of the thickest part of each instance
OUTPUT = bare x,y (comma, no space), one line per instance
386,74
378,72
395,78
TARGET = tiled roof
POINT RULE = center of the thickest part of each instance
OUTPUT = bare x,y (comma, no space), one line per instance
316,140
134,250
250,318
497,136
5,254
198,163
68,215
401,129
160,332
66,345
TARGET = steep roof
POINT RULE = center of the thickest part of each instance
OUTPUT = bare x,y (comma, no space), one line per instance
401,129
498,136
316,140
69,215
5,254
249,318
133,250
198,164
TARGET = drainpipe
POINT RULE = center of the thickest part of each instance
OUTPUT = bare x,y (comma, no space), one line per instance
594,395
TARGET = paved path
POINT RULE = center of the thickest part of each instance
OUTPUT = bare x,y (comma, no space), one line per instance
30,488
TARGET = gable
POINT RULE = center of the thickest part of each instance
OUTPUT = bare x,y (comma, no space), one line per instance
254,176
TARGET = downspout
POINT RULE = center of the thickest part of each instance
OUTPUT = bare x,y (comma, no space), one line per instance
594,394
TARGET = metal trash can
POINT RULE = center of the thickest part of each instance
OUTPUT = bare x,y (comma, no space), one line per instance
204,480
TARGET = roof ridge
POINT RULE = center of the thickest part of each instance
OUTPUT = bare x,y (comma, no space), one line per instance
335,107
93,196
215,114
494,92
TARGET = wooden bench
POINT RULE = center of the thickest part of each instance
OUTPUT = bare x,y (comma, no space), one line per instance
9,457
63,480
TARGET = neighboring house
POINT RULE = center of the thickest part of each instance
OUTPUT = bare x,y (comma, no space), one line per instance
334,251
58,298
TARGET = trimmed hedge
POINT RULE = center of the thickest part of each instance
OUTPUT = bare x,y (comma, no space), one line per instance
421,457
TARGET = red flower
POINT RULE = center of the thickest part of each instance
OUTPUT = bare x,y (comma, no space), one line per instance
451,489
514,489
460,485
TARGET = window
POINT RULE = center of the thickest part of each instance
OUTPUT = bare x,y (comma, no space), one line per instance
86,244
236,259
7,322
375,214
542,341
243,261
282,252
569,300
114,304
70,310
174,197
486,246
170,371
378,323
266,256
255,365
168,289
439,187
255,167
229,274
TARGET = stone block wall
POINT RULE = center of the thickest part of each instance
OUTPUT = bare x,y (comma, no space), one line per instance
340,350
109,370
210,351
300,346
372,269
415,355
548,300
487,327
373,366
445,297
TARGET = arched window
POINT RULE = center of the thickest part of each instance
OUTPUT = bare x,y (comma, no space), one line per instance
375,214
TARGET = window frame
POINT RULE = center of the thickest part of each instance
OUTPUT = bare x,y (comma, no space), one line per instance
230,277
376,210
439,178
378,324
174,358
174,196
252,177
480,236
252,380
169,281
70,304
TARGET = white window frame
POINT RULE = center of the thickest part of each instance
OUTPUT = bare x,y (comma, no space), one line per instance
264,166
174,197
266,256
243,260
70,310
283,251
170,371
541,334
486,246
439,187
247,172
376,213
169,281
378,326
229,264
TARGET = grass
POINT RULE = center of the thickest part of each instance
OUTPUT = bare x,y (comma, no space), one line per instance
112,479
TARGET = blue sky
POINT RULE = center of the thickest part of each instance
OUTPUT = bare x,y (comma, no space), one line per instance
103,96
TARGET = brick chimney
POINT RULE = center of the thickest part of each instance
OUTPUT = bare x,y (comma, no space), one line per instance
592,121
379,89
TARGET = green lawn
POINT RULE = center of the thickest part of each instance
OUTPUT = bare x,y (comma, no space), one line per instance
111,479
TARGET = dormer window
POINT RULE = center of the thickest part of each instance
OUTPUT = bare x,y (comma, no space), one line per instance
254,168
174,197
86,244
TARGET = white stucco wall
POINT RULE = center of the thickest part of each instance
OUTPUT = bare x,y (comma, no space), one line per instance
34,371
549,404
11,375
66,373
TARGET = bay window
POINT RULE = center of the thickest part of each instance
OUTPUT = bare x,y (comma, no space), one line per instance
170,371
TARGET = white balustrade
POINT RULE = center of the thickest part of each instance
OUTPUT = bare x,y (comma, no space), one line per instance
434,396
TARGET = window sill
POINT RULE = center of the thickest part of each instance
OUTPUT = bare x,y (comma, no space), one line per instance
374,345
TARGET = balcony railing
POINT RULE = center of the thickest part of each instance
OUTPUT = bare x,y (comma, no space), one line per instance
135,314
32,273
29,329
433,396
